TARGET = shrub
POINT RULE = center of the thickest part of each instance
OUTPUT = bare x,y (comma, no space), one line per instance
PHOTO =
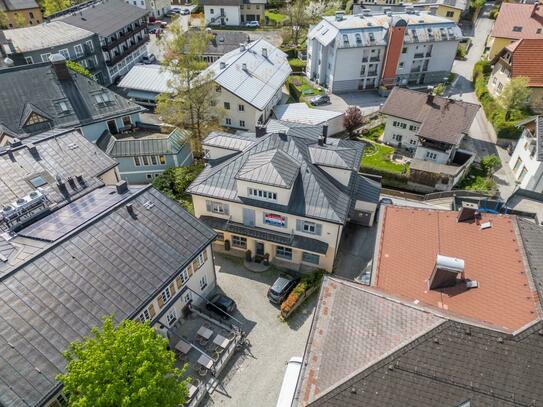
460,53
297,65
306,283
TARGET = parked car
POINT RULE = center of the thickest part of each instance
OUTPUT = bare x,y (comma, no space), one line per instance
148,59
320,100
281,288
185,12
386,201
221,305
252,24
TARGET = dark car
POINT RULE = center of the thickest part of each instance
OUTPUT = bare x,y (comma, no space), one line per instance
320,100
222,305
386,201
185,12
281,288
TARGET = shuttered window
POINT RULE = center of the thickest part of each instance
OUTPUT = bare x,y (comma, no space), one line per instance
308,227
217,207
152,310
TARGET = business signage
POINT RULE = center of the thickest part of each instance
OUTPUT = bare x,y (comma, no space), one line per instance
273,219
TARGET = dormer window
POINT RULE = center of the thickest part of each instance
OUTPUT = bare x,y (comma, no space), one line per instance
35,118
262,194
102,98
517,29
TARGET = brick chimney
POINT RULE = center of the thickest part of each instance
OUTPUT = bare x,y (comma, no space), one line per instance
59,66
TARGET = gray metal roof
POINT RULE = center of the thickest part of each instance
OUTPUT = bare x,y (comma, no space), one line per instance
314,193
45,36
38,84
148,78
60,293
334,156
59,153
151,144
532,239
294,128
235,142
366,190
272,167
13,5
106,18
301,113
262,78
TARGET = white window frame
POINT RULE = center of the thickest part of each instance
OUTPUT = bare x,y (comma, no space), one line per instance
171,316
309,227
65,53
90,45
29,60
45,57
242,123
166,295
78,49
203,282
280,252
145,316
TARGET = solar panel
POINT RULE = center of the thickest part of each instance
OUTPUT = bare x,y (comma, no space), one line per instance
73,215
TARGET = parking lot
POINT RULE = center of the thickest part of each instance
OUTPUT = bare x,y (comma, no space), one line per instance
369,101
255,377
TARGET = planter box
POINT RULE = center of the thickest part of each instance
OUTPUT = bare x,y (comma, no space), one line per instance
300,301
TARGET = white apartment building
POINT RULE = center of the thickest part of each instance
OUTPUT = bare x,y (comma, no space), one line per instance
365,51
156,8
249,83
275,196
233,12
527,159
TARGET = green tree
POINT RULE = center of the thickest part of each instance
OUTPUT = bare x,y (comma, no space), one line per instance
192,102
3,20
515,96
490,163
353,120
20,20
54,6
127,365
74,66
296,11
174,181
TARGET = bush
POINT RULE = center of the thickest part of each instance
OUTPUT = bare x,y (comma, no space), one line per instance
297,65
173,183
80,69
460,53
306,283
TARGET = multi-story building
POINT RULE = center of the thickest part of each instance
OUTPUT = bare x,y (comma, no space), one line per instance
155,8
21,13
249,82
520,58
450,9
527,159
122,32
365,51
233,12
49,95
515,21
284,196
37,43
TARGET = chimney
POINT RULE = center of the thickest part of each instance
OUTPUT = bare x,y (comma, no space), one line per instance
244,66
242,47
130,209
222,65
321,141
15,142
72,183
80,179
446,272
467,214
430,97
33,150
260,130
59,66
339,15
265,52
325,133
122,187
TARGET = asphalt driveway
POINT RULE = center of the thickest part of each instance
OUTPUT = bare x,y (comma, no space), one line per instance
255,375
355,250
368,102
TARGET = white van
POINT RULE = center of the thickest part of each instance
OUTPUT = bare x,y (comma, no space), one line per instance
290,380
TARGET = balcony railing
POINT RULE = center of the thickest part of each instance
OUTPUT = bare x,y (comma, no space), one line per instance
119,57
375,59
110,45
419,55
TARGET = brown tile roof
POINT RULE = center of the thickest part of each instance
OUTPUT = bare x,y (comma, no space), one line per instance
354,326
410,240
527,60
527,16
445,120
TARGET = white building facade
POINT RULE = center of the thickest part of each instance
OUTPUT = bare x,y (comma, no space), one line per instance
527,160
156,8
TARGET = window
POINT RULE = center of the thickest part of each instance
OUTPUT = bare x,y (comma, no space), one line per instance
217,207
310,258
450,14
63,107
31,14
404,50
65,53
283,252
401,65
494,81
227,105
38,182
228,121
239,241
242,123
137,161
144,316
166,295
171,317
399,124
241,108
220,236
90,46
188,297
45,57
153,160
413,127
211,11
162,159
78,50
103,98
145,160
29,60
538,31
430,155
372,37
523,173
517,29
517,165
309,227
500,87
345,39
127,121
261,194
413,142
203,282
397,137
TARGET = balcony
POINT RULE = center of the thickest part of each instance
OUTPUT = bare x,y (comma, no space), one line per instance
131,33
419,55
119,57
375,59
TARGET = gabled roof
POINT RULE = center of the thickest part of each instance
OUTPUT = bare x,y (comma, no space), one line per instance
527,16
334,156
224,41
441,119
105,18
314,193
36,88
235,142
527,59
59,293
272,167
263,77
29,110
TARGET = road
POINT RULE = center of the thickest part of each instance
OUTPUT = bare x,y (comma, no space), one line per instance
482,137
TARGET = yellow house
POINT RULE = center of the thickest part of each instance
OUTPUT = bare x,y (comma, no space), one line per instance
21,13
515,22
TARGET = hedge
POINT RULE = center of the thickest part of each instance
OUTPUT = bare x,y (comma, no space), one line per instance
307,283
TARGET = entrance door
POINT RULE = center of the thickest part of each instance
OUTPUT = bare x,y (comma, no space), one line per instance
248,217
112,126
259,249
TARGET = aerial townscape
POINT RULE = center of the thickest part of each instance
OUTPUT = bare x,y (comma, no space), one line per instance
271,203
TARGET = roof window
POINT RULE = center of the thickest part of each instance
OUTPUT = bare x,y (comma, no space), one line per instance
517,29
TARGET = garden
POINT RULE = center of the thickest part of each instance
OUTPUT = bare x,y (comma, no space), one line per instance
173,183
480,177
379,157
299,86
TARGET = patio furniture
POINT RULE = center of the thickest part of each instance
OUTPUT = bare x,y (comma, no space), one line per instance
183,347
205,361
192,391
221,341
205,332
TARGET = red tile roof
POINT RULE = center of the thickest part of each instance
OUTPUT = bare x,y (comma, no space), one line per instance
527,16
411,239
527,60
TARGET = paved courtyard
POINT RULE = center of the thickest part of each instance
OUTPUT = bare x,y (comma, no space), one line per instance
255,376
369,102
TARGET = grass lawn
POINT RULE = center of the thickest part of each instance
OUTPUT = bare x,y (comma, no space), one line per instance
375,133
378,156
275,17
476,180
302,87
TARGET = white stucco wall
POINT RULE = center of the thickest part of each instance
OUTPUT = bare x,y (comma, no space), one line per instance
231,13
409,138
533,180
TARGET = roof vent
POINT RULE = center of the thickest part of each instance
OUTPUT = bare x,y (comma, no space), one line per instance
242,47
472,284
486,225
468,214
222,65
15,142
32,149
445,272
339,15
131,211
122,187
244,66
8,61
265,52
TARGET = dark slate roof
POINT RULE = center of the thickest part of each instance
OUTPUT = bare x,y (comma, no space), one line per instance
271,167
225,41
106,18
532,240
445,120
149,144
314,194
221,2
60,293
36,88
62,153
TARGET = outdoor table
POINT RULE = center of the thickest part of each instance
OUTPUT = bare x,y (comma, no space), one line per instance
192,390
205,332
205,361
183,347
221,341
